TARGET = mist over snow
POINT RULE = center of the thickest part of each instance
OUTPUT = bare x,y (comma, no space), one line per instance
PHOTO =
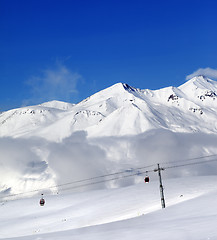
76,159
31,164
164,147
23,167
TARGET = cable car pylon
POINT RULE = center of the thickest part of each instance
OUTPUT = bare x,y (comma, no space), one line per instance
161,185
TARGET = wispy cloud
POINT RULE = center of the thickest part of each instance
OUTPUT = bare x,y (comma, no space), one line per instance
207,72
57,83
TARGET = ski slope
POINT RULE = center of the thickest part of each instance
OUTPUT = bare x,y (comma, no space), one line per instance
132,212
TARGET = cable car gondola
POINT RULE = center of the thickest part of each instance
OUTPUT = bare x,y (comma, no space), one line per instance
42,201
146,179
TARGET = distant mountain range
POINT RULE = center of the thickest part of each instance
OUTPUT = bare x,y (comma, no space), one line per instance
118,111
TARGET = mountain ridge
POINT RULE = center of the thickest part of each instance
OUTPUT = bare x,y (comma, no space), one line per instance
120,110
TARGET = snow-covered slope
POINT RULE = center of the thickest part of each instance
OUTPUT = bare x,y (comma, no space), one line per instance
120,110
58,105
127,213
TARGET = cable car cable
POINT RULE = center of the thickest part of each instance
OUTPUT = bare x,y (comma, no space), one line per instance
189,159
78,181
112,174
189,164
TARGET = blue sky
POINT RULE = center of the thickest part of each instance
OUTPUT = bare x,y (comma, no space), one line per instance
69,49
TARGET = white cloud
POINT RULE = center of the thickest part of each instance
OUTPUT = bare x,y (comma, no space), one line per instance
28,164
57,83
35,163
21,168
75,159
207,72
160,146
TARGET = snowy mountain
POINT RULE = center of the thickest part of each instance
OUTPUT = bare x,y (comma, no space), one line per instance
118,111
90,159
116,129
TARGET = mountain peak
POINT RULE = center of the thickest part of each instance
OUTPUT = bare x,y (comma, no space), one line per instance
58,105
128,87
203,77
199,82
110,92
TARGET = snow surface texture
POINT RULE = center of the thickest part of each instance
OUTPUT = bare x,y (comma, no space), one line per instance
119,129
126,213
